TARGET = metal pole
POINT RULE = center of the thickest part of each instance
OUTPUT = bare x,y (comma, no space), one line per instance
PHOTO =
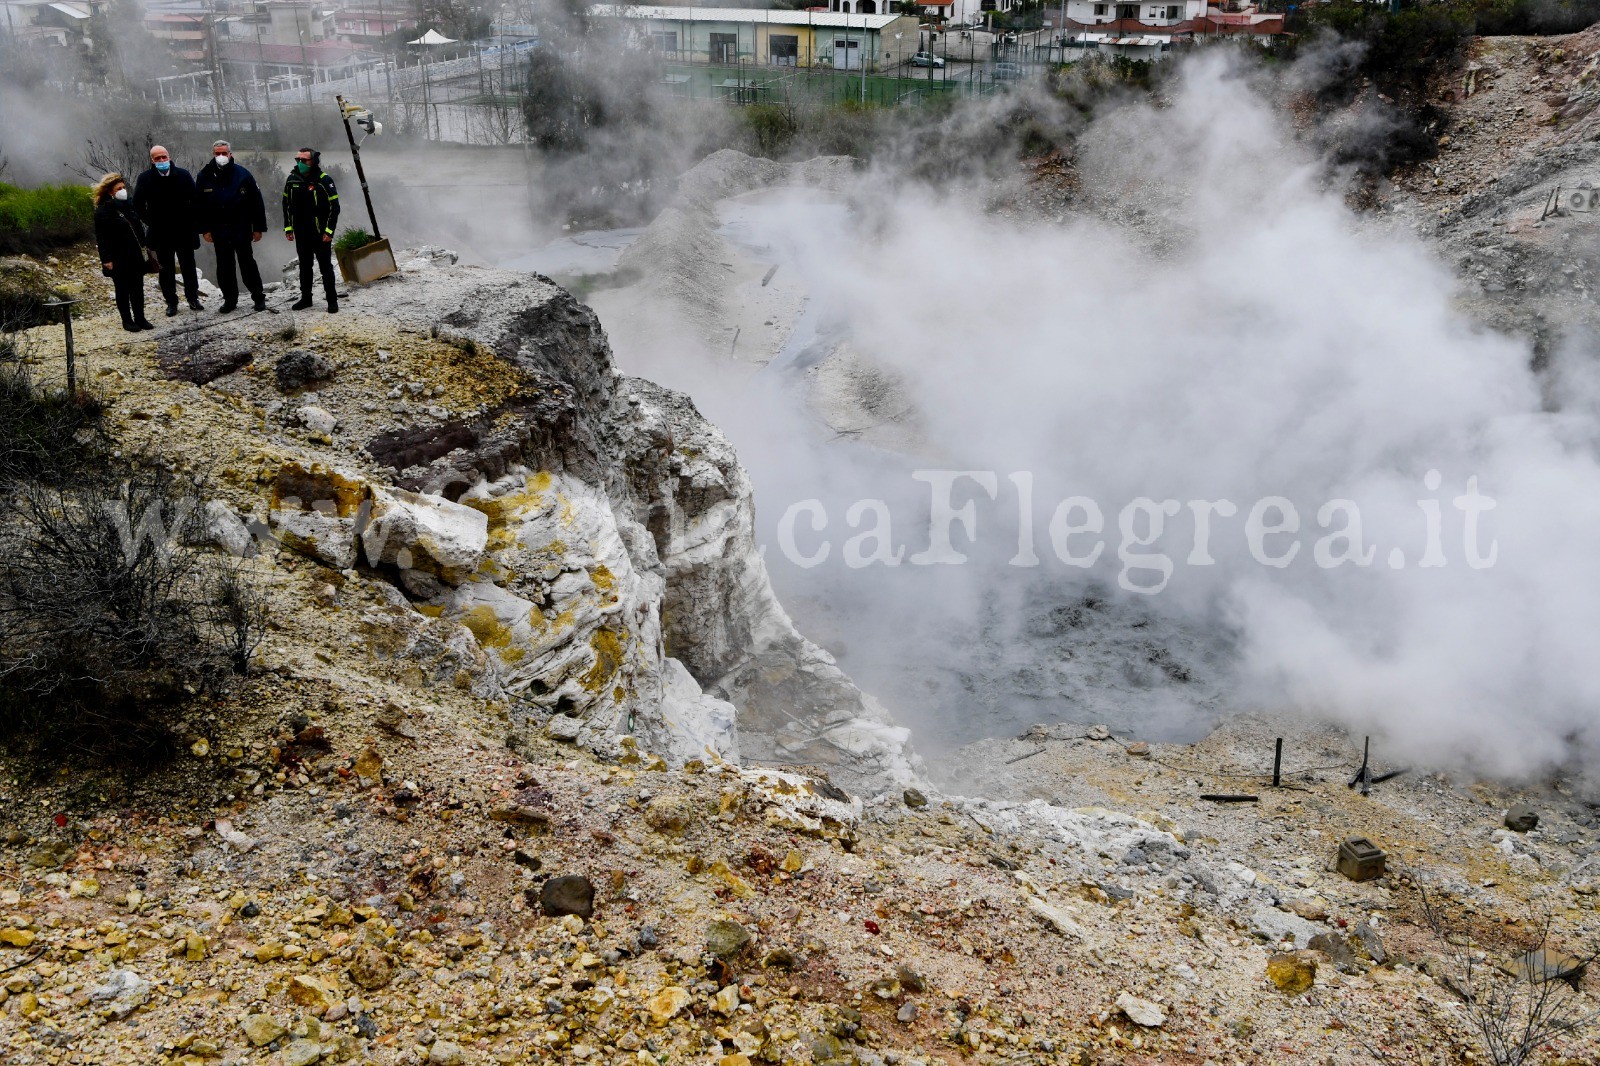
72,369
1277,764
210,24
355,155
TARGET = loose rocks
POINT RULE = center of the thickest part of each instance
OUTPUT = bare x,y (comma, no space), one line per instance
726,940
1522,819
297,368
1292,974
572,894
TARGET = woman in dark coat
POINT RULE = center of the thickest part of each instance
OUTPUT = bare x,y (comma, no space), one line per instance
123,257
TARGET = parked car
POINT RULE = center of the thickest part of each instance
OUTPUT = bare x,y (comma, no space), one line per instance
926,59
1007,71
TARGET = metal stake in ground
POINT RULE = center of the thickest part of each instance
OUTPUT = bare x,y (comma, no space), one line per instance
66,319
1364,775
1277,764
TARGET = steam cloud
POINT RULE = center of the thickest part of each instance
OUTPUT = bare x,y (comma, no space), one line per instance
1250,338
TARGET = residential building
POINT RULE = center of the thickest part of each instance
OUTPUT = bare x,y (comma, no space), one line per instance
50,22
1150,28
730,36
369,23
1147,13
185,27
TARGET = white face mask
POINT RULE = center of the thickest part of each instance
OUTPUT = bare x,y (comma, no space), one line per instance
121,194
222,160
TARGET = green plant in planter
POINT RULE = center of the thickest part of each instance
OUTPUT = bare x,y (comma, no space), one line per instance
351,239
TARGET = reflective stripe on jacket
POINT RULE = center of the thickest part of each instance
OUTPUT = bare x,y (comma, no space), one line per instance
310,198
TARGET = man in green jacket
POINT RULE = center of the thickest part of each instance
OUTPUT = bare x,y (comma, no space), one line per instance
310,215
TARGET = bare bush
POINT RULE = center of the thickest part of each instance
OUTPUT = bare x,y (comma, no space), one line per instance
110,616
44,433
1515,1010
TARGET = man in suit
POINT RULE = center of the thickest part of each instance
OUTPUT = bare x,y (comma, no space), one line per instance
168,204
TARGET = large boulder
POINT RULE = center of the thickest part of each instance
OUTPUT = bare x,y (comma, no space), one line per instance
429,533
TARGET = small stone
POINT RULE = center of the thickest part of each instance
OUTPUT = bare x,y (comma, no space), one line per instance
726,939
1542,967
914,798
315,993
738,1058
261,1029
445,1053
125,990
297,368
571,894
665,1004
1141,1011
1370,942
564,727
86,888
17,938
1310,909
317,420
519,814
301,1053
793,862
371,968
235,839
726,1001
369,768
1338,952
907,1013
1522,819
1138,749
1292,974
668,816
826,1048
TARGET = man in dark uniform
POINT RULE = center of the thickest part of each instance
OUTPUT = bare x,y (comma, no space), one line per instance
310,214
167,203
233,216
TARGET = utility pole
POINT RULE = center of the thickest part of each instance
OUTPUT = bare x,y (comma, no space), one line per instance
209,23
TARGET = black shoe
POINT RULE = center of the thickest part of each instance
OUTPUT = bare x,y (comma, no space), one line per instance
333,307
196,305
227,305
172,310
131,327
145,324
261,304
301,304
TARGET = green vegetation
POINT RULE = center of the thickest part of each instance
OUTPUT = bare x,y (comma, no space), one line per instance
24,288
33,221
352,238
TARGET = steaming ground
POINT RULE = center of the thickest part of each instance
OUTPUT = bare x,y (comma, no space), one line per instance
1234,334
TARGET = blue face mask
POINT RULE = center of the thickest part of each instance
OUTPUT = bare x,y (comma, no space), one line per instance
164,166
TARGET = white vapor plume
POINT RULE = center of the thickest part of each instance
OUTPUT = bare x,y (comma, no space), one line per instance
1249,338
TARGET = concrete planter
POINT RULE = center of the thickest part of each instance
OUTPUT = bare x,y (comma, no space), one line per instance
361,266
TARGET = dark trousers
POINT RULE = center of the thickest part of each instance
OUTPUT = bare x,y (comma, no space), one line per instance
172,260
309,248
228,253
129,284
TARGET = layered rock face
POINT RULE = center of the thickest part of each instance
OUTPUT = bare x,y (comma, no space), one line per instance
591,532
